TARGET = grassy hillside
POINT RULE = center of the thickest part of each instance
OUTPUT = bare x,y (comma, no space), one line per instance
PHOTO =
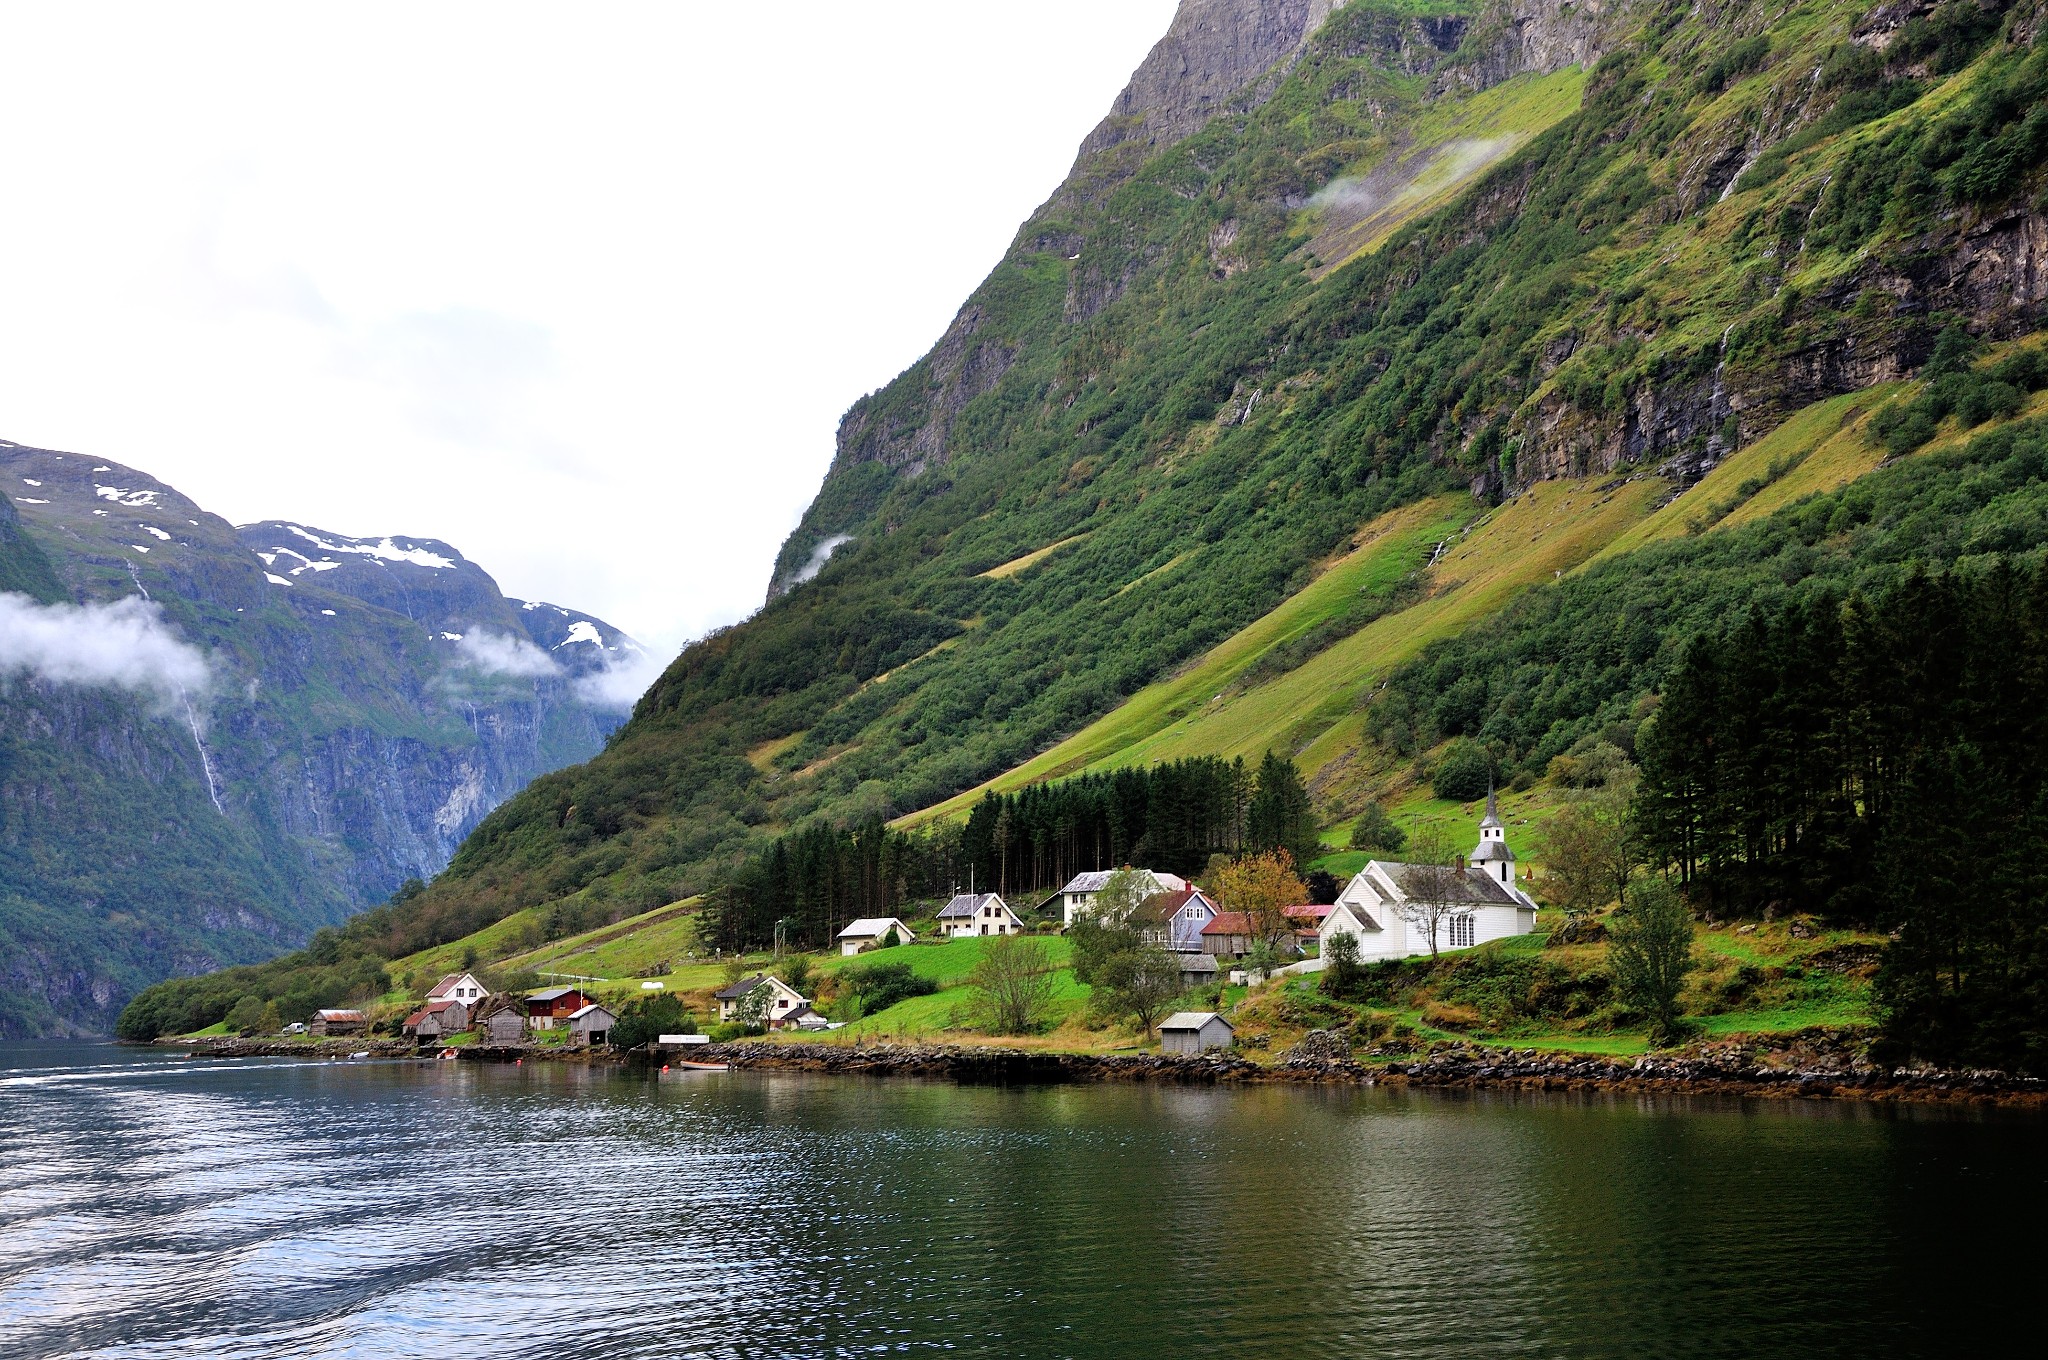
1582,300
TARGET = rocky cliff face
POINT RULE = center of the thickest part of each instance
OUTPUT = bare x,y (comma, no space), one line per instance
216,739
1219,56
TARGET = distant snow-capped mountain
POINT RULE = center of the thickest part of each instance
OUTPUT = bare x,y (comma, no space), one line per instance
214,739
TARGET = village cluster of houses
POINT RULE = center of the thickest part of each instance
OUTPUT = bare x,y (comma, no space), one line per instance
1475,901
458,1003
1471,902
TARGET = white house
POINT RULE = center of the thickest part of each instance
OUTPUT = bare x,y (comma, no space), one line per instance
1482,902
1079,894
784,1001
872,930
461,987
979,914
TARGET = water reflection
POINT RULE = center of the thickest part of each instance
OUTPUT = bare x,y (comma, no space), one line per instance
170,1208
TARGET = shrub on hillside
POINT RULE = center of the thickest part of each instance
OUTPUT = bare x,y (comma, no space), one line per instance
1376,831
1464,773
881,985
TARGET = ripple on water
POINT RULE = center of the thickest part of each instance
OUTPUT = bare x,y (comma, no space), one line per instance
379,1210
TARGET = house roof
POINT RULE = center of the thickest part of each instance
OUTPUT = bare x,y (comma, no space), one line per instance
1355,912
734,991
1309,911
593,1006
552,993
1229,923
1093,881
1471,888
431,1008
449,984
1161,906
874,927
1192,1020
1198,963
967,904
339,1015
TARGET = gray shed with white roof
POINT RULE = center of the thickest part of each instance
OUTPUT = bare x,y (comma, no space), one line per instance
1190,1033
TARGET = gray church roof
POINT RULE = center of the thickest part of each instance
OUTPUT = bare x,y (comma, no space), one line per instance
1474,887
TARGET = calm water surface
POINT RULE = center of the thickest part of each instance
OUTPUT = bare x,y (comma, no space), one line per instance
151,1206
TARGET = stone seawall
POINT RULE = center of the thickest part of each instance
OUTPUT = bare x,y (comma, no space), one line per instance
1808,1068
1319,1060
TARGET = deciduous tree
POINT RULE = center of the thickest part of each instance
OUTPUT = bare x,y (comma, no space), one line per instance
1263,886
1016,982
1140,983
1650,952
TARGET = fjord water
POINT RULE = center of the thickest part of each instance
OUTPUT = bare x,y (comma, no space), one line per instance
151,1206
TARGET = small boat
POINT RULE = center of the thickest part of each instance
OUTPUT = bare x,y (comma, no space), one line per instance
364,1054
697,1066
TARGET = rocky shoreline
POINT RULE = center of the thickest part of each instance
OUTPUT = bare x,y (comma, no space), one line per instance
1814,1066
341,1050
1323,1058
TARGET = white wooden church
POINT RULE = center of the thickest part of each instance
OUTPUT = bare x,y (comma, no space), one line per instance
1481,901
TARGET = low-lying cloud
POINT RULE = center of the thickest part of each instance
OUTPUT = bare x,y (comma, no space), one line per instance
820,555
621,683
620,680
503,654
123,644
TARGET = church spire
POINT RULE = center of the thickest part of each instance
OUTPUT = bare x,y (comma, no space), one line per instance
1492,818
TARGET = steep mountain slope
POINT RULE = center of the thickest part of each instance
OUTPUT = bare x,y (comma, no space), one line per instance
215,740
1352,326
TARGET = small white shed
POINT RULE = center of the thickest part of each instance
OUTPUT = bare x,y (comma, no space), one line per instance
1193,1032
871,931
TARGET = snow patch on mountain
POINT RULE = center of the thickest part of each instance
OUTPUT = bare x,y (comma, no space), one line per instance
382,550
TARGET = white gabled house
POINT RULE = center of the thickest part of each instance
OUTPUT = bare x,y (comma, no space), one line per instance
870,931
783,1001
978,914
1079,893
461,987
1482,902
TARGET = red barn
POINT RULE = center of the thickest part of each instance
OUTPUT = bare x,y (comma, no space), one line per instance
543,1009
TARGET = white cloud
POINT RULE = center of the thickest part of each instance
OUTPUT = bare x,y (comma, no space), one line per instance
505,655
621,683
623,678
515,276
125,645
820,555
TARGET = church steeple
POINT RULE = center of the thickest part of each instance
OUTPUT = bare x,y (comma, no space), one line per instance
1492,855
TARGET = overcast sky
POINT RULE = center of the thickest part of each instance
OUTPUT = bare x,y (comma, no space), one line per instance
581,289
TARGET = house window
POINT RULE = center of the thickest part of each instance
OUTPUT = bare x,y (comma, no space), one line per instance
1461,932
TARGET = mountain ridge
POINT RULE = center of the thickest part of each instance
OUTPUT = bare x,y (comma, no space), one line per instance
321,717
